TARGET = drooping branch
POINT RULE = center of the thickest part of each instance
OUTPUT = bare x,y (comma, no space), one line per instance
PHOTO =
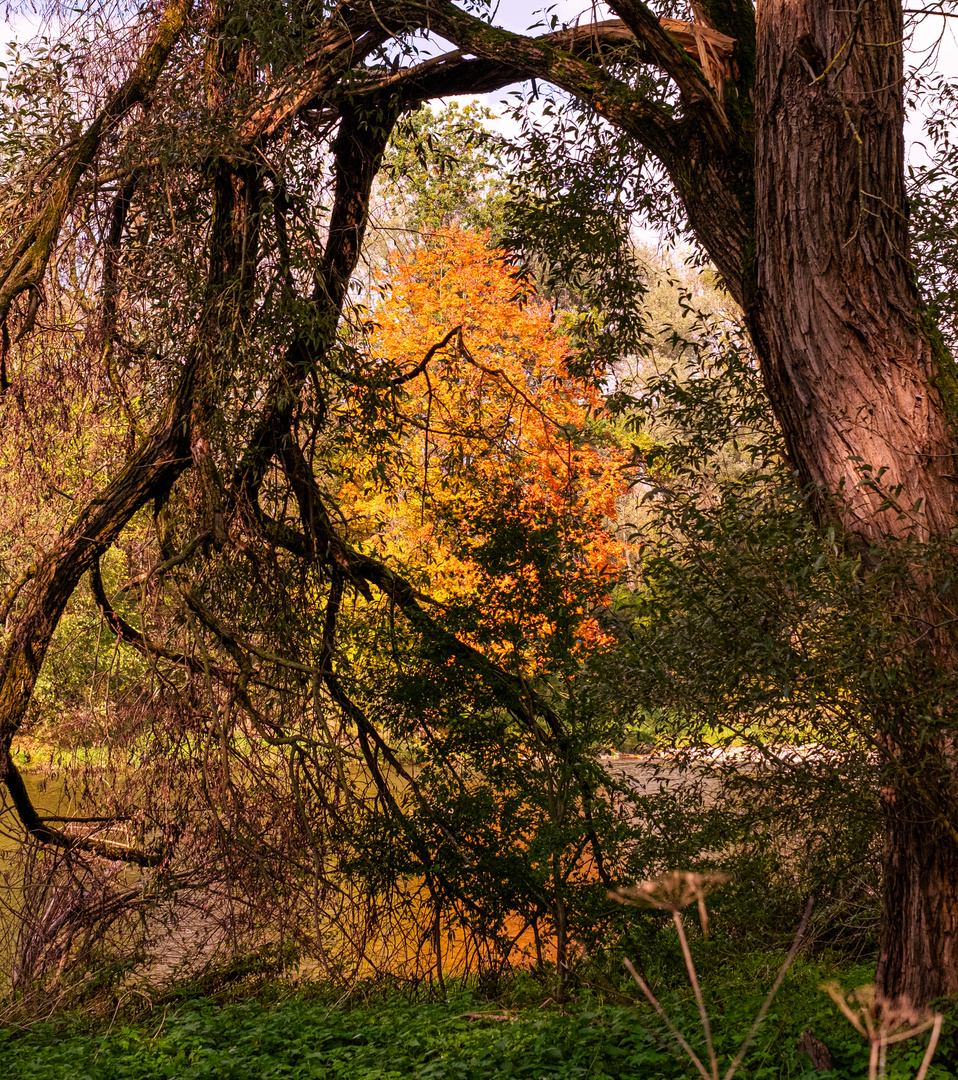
24,263
128,634
43,832
512,692
148,474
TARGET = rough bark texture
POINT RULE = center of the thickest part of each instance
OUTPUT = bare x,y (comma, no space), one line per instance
808,226
850,372
918,955
857,386
176,443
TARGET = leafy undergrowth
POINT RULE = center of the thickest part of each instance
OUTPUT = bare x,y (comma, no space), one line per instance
460,1039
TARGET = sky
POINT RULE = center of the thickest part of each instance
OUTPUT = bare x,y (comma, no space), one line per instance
518,15
934,41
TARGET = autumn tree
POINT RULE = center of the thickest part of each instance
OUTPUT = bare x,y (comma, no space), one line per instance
494,426
494,496
780,133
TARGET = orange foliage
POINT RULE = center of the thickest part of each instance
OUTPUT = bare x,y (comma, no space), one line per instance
502,450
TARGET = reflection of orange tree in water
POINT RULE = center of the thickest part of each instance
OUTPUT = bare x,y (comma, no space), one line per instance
495,499
507,886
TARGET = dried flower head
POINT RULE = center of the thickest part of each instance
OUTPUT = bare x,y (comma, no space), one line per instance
673,892
877,1019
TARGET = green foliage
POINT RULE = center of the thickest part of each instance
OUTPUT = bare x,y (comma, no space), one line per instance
749,632
265,723
463,1039
38,109
933,199
445,168
568,214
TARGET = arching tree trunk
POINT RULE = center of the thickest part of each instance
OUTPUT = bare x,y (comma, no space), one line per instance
863,392
809,232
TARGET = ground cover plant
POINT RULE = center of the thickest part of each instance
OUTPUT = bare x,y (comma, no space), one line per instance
463,1038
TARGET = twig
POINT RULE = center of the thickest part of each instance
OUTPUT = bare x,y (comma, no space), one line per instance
694,980
932,1043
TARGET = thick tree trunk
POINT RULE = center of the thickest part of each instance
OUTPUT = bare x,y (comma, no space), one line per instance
918,954
863,393
850,370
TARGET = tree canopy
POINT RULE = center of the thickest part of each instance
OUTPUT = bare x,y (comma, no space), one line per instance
187,201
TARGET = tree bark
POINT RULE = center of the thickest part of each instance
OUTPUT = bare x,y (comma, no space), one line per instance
862,390
850,369
918,950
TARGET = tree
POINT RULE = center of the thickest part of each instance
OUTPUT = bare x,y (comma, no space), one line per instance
495,426
494,496
444,169
782,139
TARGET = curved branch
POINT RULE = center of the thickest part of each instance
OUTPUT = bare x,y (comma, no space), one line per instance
139,641
672,56
149,473
709,160
344,41
357,154
547,59
398,380
452,73
41,831
668,44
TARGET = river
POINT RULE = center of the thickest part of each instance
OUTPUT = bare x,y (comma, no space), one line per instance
176,936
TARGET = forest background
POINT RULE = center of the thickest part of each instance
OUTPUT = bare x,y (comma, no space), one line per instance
361,494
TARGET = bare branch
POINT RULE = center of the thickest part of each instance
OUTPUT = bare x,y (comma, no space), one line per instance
40,829
139,641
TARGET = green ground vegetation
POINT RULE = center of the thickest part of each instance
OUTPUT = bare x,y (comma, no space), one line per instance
464,1037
